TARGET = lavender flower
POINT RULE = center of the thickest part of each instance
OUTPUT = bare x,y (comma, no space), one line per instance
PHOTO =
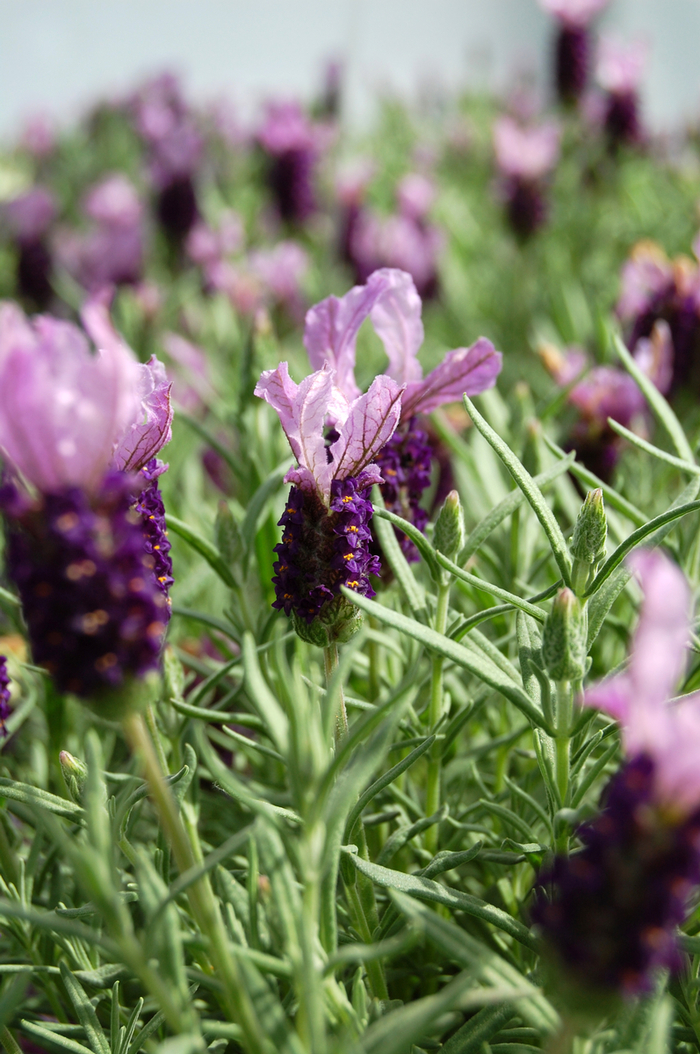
610,919
572,47
288,139
86,544
607,392
619,73
29,218
655,288
390,300
325,543
524,157
111,253
175,147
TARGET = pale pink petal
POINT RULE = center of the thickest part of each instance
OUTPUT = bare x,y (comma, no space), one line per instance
613,696
464,370
278,389
313,399
621,65
526,153
659,648
332,326
151,429
396,317
654,355
61,407
368,428
673,741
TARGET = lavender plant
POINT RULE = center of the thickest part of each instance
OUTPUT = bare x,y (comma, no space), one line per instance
450,808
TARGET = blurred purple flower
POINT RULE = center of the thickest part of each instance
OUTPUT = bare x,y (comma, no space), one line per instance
655,289
29,218
612,915
619,73
572,46
111,253
524,157
289,140
88,551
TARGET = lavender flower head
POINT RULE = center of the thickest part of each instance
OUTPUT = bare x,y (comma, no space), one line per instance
29,218
325,541
86,544
111,253
525,156
290,142
572,46
653,289
606,392
619,72
391,302
610,920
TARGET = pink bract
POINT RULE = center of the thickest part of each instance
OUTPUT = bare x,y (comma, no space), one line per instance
525,153
390,300
653,724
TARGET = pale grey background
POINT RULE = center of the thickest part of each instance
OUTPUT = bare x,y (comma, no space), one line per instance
57,55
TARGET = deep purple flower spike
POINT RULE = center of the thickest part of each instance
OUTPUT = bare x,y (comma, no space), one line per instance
325,540
86,543
391,302
609,913
289,140
619,73
524,157
572,49
29,218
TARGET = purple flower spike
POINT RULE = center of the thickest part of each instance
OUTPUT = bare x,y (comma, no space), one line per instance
610,912
524,157
325,543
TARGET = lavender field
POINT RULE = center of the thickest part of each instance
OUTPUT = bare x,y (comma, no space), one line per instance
349,669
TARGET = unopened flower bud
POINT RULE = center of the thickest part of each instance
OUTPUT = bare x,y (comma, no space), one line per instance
588,544
449,527
564,639
75,774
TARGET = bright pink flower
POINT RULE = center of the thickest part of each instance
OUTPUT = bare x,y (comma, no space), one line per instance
114,202
640,698
390,300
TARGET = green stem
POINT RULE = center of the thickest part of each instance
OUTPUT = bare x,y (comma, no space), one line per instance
432,796
330,665
563,717
201,897
374,969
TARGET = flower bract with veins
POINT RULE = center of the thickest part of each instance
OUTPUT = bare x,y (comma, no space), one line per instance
390,301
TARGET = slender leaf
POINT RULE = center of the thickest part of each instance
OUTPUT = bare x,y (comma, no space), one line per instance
660,408
649,448
384,780
529,488
426,889
415,596
470,660
85,1011
488,587
635,539
205,548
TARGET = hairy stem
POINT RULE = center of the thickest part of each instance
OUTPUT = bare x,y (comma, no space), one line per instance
432,798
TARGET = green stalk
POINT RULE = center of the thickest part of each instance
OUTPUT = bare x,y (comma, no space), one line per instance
563,718
9,1042
201,897
432,796
330,665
